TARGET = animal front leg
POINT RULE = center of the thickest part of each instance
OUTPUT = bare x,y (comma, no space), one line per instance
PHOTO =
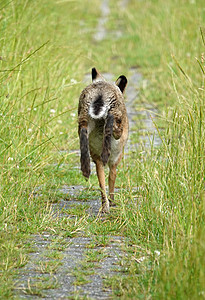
112,178
101,179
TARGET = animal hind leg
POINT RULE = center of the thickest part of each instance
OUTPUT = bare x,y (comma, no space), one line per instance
108,130
84,151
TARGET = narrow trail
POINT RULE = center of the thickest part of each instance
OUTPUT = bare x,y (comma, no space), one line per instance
62,284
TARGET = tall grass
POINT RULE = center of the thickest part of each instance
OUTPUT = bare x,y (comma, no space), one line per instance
169,217
46,48
44,53
166,222
41,63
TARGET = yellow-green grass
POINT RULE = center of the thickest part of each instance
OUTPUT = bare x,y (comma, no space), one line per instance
46,49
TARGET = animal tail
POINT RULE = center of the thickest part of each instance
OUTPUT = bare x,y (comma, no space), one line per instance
108,131
98,108
84,150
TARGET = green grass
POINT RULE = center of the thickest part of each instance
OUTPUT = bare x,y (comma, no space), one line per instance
40,284
46,49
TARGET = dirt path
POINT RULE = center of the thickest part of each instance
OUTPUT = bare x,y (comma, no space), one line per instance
77,273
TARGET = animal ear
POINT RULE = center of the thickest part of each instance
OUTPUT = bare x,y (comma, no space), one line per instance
121,82
96,75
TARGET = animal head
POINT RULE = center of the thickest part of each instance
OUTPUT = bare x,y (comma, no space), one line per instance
121,82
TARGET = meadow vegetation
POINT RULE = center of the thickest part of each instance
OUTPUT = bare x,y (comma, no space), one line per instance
46,48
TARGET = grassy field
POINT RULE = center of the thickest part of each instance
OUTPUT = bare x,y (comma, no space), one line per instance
46,48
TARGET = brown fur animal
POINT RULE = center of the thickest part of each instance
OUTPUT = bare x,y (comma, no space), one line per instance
103,130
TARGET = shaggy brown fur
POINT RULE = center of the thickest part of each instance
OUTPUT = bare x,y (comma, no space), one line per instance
103,130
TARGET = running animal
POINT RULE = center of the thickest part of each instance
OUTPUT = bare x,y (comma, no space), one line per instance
103,130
